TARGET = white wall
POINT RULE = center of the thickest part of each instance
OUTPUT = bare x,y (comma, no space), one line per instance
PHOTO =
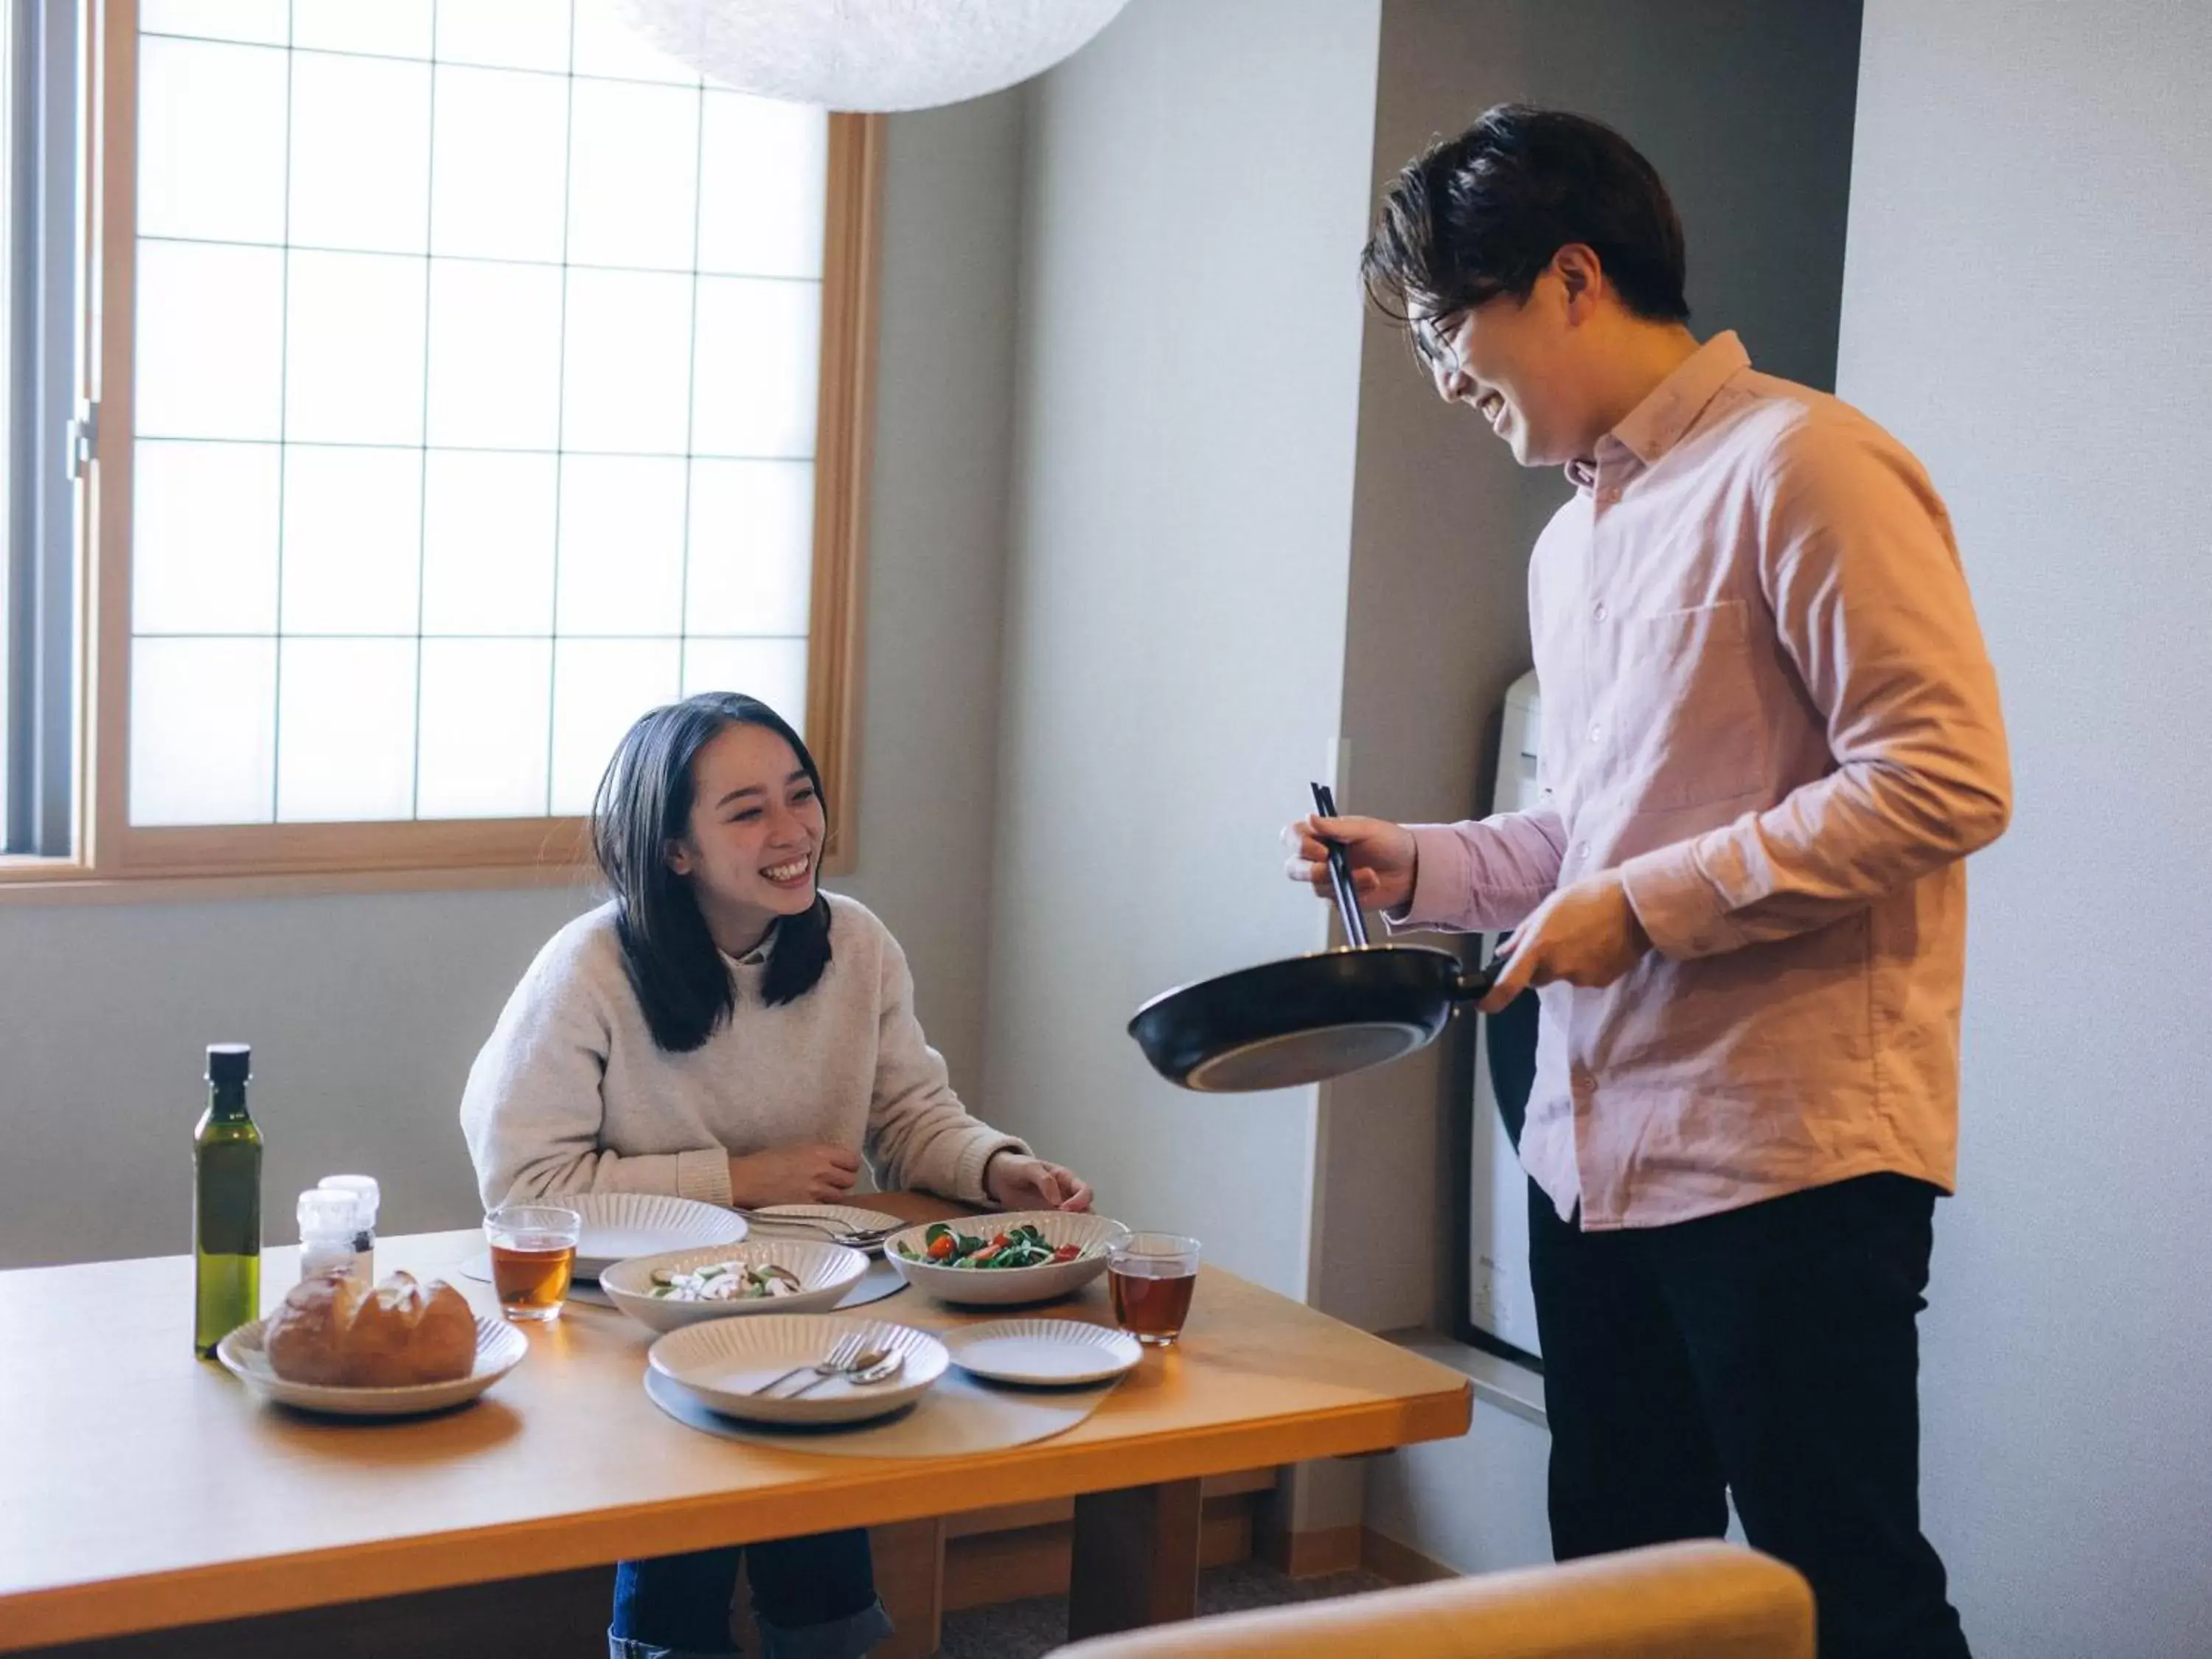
1196,202
2026,304
365,1012
937,554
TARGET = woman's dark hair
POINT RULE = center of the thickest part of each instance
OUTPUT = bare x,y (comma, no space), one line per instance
1481,215
644,803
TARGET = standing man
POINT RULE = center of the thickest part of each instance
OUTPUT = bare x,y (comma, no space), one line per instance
1771,735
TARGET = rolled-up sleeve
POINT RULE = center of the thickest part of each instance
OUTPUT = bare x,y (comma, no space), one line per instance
1870,604
1483,876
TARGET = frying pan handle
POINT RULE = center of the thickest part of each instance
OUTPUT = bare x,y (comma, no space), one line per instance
1339,872
1473,984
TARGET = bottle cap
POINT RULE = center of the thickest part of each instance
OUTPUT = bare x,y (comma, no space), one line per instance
365,1193
230,1062
325,1212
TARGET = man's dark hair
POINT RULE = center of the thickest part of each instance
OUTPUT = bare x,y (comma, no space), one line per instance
1481,215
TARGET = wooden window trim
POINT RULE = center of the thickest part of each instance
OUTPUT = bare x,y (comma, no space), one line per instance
119,859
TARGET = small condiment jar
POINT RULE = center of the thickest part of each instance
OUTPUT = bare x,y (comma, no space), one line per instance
365,1196
328,1223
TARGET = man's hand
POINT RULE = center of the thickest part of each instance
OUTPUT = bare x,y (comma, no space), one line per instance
1586,934
816,1173
1015,1182
1381,854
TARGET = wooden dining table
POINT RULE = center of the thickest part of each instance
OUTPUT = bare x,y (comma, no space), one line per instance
144,1490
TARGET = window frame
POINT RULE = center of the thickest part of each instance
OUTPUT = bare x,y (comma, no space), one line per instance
414,853
42,232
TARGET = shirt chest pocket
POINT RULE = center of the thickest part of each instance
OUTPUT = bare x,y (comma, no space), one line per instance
1686,724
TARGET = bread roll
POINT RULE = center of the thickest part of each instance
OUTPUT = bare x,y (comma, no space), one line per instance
331,1331
305,1337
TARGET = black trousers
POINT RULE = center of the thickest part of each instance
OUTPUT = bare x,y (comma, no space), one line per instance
1770,1351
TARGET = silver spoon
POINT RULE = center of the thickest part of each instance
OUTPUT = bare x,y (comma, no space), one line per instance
882,1373
850,1369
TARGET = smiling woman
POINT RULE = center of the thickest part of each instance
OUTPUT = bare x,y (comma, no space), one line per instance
724,1031
709,827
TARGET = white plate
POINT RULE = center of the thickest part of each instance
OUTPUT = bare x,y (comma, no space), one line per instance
724,1360
838,1215
1046,1352
620,1225
500,1349
826,1272
999,1287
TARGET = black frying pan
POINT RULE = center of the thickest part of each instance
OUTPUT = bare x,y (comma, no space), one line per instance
1314,1017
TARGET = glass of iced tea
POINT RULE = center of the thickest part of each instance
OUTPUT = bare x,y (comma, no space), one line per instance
534,1252
1150,1277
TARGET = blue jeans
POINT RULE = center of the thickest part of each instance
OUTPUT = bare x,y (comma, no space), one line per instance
814,1598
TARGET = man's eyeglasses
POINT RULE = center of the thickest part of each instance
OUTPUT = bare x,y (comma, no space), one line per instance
1432,344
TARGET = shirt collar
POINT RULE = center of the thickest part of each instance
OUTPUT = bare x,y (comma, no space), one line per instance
1657,425
756,957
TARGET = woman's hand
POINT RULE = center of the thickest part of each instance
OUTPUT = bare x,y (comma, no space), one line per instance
1383,862
816,1173
1017,1181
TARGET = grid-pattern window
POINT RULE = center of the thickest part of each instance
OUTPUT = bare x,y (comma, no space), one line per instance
476,363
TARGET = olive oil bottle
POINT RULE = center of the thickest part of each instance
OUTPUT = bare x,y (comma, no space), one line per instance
225,1203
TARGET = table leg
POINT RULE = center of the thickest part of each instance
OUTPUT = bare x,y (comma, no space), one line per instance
1135,1558
910,1581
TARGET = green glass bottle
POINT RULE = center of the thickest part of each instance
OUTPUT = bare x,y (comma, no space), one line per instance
225,1203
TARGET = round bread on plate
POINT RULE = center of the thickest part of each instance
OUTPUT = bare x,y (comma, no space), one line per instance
499,1348
305,1336
404,1334
332,1333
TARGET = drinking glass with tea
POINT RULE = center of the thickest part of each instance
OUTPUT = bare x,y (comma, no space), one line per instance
533,1255
1150,1277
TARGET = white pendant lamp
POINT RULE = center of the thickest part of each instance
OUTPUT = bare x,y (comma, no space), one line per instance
870,54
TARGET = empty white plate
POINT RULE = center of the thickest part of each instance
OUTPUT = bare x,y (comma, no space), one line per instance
1045,1352
619,1225
499,1348
727,1363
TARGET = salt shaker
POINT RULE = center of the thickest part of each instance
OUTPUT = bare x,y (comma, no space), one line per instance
365,1195
328,1222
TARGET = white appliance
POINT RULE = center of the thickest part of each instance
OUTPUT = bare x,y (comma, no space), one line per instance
1499,1302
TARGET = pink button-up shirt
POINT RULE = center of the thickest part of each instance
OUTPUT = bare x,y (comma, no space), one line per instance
1767,704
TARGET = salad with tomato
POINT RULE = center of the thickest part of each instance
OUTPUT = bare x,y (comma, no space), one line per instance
1020,1247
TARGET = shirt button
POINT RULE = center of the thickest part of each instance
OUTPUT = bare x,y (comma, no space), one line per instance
1599,613
1593,734
1582,851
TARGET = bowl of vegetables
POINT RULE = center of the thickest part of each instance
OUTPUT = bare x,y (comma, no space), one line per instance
1030,1255
676,1288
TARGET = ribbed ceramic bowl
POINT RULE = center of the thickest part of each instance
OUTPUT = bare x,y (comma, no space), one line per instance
827,1272
620,1225
731,1365
1001,1287
499,1348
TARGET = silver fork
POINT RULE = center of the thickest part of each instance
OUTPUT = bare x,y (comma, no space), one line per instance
836,1231
870,1367
839,1359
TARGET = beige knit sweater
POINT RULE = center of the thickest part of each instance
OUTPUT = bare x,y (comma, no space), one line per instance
571,1095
